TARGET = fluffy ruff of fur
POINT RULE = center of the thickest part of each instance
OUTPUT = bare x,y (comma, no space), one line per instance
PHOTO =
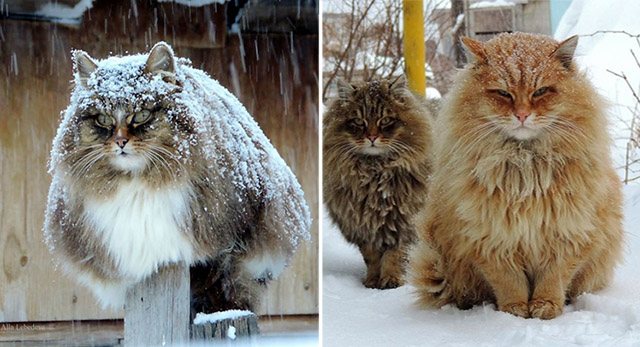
524,224
374,197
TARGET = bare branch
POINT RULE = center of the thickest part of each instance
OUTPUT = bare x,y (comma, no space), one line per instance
356,19
610,32
624,77
631,170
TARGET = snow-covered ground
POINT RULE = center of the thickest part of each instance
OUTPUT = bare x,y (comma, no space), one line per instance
357,316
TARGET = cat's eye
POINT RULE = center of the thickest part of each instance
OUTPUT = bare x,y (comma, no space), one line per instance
104,121
540,91
503,93
141,117
357,121
386,121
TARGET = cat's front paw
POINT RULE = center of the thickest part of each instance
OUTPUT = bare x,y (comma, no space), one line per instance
389,282
371,282
520,309
544,309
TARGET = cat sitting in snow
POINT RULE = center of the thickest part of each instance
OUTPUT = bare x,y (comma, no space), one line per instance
156,163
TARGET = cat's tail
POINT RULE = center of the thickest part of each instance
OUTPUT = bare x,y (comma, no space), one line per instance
426,274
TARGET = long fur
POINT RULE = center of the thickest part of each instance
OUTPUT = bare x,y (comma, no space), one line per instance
373,193
198,183
523,223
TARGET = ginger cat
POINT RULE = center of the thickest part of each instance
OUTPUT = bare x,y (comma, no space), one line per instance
525,207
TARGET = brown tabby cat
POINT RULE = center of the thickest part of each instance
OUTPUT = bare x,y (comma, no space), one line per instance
156,163
525,208
377,138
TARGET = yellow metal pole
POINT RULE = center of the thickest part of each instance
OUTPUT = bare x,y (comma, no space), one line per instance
414,57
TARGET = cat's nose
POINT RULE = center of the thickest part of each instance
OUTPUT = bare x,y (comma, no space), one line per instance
522,115
372,138
121,141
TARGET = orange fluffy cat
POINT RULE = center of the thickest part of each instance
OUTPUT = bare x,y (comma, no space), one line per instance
525,207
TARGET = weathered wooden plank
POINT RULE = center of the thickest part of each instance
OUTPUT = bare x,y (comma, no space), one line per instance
111,332
64,333
291,324
226,329
157,309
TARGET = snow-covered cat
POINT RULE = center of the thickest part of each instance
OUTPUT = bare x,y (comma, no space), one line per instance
155,163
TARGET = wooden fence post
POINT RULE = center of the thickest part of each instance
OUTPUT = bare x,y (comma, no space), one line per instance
157,310
244,325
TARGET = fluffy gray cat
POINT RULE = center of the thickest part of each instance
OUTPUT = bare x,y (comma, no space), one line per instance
156,163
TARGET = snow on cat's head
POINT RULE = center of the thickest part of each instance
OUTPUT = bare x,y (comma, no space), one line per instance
122,117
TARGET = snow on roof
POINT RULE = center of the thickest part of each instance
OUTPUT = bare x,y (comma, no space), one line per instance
196,3
490,3
70,14
62,11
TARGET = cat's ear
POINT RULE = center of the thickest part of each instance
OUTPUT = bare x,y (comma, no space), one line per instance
474,49
399,83
399,88
345,89
160,59
565,51
83,63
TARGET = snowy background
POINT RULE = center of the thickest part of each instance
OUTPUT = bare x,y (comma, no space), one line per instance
357,316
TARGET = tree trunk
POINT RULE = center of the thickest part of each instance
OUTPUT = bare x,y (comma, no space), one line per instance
457,8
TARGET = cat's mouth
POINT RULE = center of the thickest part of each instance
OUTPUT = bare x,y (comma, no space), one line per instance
523,132
129,162
372,149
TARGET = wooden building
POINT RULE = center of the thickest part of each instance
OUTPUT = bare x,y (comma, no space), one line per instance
270,64
486,19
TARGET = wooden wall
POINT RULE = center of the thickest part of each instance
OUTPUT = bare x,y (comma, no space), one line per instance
275,76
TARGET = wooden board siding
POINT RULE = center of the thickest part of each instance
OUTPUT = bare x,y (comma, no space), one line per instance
274,76
111,332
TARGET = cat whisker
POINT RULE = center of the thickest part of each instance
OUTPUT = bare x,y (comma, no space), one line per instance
152,158
563,122
489,123
83,169
81,149
156,156
483,135
81,166
399,146
477,134
566,130
345,149
79,154
168,153
172,170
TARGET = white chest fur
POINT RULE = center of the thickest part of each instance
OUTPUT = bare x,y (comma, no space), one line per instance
142,227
